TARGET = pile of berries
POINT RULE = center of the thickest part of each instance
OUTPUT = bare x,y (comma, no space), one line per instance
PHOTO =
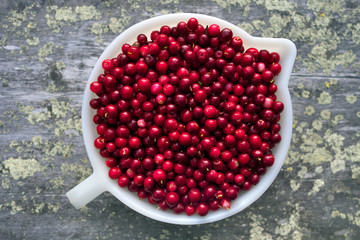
188,118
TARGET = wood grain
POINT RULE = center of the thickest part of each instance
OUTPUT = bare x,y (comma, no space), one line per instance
48,49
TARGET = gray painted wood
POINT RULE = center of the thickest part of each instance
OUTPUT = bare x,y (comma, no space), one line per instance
48,49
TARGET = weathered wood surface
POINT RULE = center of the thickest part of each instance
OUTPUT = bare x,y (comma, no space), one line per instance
47,51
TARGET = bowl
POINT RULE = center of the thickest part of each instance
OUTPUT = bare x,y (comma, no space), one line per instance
99,181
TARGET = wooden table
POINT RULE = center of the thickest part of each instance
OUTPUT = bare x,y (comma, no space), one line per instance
48,49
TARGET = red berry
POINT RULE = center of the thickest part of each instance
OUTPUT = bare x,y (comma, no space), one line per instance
114,173
213,30
159,176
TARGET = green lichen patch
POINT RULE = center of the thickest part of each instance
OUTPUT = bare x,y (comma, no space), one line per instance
117,25
277,5
337,118
70,127
19,168
291,226
325,114
309,110
54,114
277,23
34,41
85,13
317,125
57,17
318,183
231,4
80,171
351,98
257,231
324,98
326,7
45,50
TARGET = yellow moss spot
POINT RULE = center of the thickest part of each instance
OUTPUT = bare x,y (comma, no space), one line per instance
22,168
327,84
351,98
31,25
309,110
324,98
289,169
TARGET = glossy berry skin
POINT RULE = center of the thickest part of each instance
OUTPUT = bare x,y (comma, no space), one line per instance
159,176
114,173
194,195
202,209
172,198
213,30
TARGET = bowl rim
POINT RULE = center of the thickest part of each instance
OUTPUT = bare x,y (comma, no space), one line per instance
287,50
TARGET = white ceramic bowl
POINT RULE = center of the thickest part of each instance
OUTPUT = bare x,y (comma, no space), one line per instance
99,181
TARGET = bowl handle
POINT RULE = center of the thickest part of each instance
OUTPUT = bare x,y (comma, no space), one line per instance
86,191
